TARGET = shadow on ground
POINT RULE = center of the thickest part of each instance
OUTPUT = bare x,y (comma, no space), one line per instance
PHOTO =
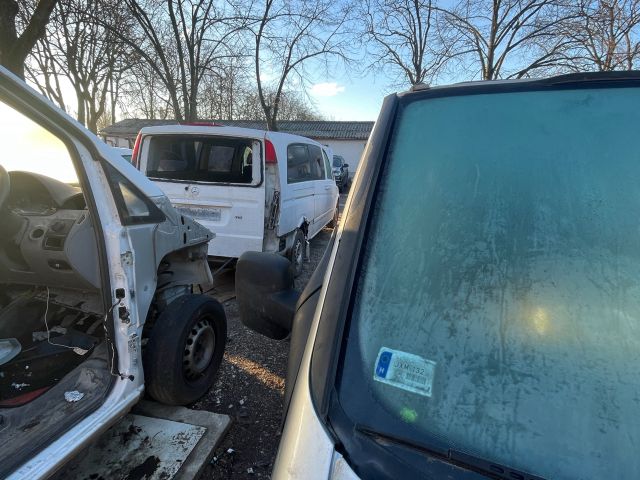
250,389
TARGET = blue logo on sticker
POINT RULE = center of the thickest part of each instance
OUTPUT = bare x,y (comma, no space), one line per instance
383,364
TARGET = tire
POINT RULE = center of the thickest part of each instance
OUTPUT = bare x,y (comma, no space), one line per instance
185,350
296,252
336,216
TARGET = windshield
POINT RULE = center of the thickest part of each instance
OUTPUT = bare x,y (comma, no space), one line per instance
498,306
337,162
28,147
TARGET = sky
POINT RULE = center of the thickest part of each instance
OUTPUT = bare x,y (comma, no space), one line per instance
348,97
340,96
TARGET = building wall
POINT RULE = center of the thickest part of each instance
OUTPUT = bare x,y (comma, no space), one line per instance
118,141
350,150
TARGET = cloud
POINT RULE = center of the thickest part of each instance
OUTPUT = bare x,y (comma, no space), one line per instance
327,89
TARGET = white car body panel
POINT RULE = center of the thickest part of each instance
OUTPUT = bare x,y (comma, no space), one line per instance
132,254
306,450
238,213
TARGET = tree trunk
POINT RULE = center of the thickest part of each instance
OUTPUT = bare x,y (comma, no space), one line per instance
14,49
14,63
272,125
92,124
81,108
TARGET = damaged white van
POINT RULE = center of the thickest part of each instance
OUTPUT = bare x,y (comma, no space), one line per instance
96,271
258,190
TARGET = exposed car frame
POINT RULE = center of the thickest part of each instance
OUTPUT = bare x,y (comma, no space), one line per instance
127,266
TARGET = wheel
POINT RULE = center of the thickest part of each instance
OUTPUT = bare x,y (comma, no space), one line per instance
336,216
185,350
296,252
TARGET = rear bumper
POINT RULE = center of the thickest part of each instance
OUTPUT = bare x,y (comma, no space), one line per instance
232,246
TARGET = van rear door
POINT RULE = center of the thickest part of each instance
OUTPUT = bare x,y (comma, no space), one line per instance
217,180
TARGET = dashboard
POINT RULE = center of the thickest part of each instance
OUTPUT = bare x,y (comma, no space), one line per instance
54,241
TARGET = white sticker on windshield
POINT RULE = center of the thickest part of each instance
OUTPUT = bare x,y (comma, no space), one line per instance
405,370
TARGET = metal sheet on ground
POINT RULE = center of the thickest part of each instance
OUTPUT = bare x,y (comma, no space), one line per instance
139,448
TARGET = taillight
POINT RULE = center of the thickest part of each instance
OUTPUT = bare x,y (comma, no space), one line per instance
136,150
270,152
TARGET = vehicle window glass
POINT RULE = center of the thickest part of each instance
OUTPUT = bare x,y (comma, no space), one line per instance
503,249
206,159
304,163
317,163
133,206
221,159
327,166
28,147
298,164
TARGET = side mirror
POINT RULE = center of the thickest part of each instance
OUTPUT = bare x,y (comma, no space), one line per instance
345,165
265,293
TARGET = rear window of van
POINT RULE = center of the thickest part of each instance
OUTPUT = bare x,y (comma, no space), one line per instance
206,159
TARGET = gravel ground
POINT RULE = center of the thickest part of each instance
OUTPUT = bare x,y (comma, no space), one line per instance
250,389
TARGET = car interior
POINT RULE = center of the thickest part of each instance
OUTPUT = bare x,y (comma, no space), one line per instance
54,360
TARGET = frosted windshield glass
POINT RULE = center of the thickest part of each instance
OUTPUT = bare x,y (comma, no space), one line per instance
504,253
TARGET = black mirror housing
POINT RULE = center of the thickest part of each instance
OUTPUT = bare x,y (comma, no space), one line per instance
265,293
345,165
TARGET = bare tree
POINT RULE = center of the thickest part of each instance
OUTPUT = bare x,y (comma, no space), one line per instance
42,70
293,106
143,94
290,35
225,86
405,36
605,34
179,40
90,57
511,38
14,47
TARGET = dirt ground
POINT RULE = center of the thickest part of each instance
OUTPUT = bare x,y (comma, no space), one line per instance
250,387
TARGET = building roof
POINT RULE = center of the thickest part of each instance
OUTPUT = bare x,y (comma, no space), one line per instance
324,130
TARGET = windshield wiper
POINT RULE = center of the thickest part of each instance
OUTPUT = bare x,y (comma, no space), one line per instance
451,456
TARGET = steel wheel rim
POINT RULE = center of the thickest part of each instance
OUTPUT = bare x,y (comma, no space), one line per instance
198,350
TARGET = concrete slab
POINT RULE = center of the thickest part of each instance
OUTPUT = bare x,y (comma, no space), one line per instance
215,423
153,442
